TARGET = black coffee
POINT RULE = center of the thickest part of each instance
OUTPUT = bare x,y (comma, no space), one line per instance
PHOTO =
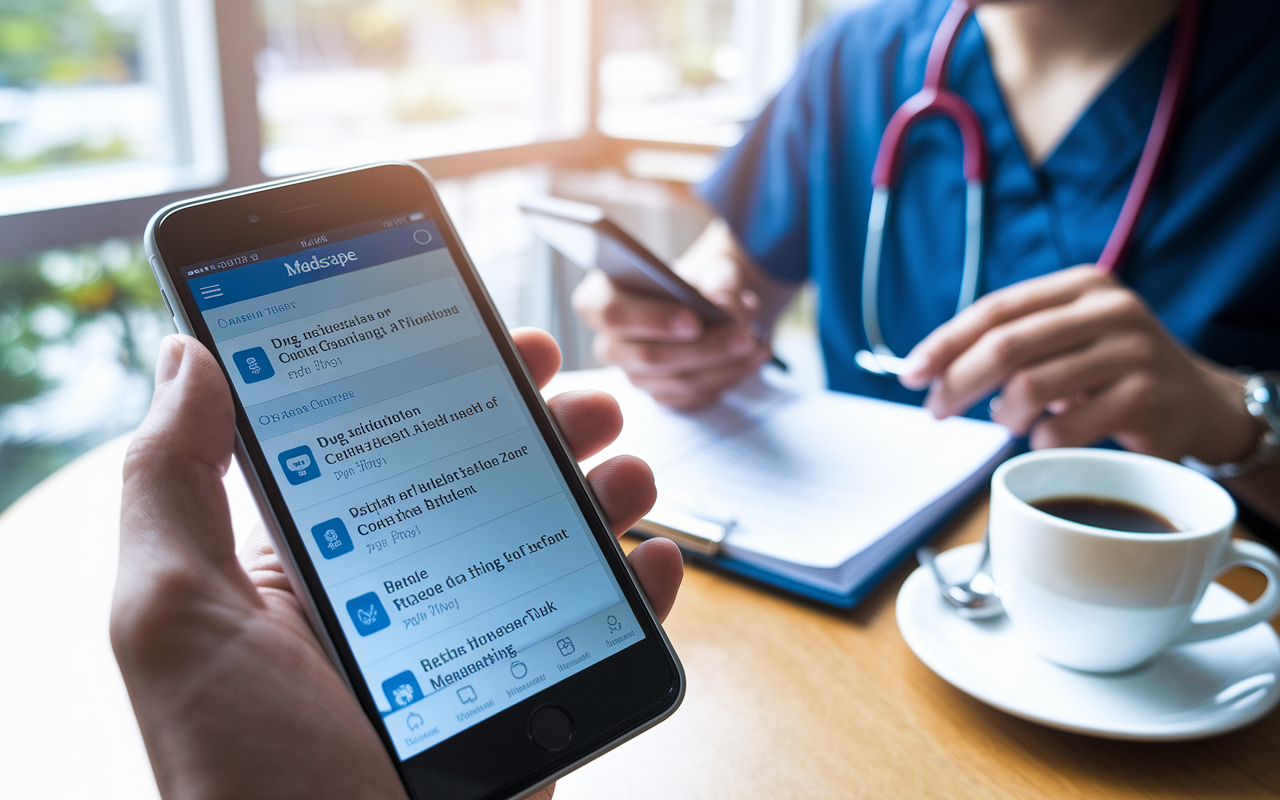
1101,512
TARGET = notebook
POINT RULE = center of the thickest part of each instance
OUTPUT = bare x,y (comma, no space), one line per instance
815,492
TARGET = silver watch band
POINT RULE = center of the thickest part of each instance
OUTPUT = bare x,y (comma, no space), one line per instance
1262,399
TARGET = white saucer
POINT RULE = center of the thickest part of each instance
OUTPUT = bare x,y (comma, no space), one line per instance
1188,692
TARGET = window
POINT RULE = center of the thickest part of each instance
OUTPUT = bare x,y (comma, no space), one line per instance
106,99
344,82
693,71
79,330
111,108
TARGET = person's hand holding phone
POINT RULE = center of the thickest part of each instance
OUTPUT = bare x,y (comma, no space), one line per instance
234,695
662,346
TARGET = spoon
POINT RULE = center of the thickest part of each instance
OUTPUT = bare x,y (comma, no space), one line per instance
972,599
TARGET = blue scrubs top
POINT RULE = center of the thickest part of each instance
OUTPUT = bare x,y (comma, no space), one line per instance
1206,254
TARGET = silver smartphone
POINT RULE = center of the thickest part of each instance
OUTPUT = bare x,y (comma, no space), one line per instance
446,546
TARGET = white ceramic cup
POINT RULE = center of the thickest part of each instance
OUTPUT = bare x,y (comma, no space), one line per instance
1103,600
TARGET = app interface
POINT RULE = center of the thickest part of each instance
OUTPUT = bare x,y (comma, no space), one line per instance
451,550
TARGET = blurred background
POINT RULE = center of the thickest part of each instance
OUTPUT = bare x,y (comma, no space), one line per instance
110,109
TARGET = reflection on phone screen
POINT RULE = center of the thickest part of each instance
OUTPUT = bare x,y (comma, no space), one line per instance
446,539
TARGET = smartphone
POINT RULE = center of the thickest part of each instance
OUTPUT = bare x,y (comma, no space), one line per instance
429,514
585,235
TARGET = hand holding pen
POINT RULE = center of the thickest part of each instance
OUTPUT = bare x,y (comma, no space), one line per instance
665,348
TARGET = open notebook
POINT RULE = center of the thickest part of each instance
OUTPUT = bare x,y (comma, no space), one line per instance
815,492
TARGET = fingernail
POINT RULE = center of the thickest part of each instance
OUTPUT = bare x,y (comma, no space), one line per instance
915,383
749,299
170,359
934,405
913,376
684,326
741,344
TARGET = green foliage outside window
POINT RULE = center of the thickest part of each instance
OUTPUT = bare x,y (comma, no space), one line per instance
51,300
56,44
59,42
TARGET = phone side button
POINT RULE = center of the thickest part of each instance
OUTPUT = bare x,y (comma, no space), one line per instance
167,304
551,728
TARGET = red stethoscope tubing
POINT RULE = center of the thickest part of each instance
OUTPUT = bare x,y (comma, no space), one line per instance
1172,94
936,99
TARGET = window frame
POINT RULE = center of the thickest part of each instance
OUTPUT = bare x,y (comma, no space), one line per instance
179,64
239,37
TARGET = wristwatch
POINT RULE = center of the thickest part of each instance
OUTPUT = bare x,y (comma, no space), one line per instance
1262,398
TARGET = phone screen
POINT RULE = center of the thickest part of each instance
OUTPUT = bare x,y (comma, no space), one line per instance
448,542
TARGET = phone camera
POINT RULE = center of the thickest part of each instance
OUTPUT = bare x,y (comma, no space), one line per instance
253,217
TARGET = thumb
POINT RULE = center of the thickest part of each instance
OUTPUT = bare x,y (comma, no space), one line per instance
175,525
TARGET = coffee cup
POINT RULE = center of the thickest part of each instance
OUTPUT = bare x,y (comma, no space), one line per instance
1102,600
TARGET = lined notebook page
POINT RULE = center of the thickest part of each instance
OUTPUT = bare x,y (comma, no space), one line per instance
808,477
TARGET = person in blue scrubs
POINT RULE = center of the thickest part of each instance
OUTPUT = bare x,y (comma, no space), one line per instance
1066,91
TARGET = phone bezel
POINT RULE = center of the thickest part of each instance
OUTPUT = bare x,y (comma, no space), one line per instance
179,236
633,266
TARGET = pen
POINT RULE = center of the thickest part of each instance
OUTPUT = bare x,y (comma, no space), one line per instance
759,334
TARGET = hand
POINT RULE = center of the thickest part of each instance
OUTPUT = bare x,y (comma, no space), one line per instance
233,693
662,346
1082,347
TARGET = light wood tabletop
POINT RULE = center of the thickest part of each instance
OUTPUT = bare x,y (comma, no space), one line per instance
791,700
785,699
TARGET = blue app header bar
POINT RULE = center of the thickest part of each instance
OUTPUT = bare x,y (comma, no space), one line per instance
308,266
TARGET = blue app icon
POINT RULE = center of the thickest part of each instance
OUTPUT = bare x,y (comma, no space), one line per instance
368,614
299,465
254,365
402,690
332,538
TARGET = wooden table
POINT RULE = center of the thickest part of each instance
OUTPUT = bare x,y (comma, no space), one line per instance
790,700
785,699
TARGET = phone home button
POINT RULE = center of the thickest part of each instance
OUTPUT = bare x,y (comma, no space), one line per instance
551,728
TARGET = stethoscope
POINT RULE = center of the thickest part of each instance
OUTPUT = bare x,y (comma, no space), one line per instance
936,99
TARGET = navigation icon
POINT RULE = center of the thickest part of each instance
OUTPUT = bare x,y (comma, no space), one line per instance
519,669
332,538
467,695
299,465
566,646
403,690
254,365
368,614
